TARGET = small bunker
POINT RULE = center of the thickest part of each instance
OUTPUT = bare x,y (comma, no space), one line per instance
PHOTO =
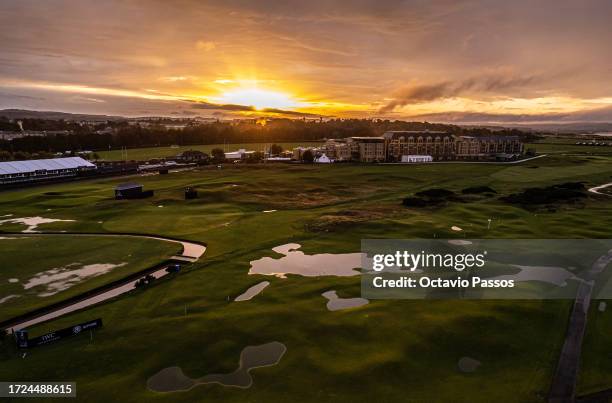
131,190
190,193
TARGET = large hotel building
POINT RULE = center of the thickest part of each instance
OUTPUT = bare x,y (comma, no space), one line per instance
404,146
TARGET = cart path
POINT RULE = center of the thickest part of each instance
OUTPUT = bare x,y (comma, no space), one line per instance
191,252
597,189
563,388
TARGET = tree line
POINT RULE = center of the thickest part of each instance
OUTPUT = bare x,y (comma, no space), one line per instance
85,137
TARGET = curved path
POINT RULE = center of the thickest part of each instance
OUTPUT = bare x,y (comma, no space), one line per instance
597,189
563,387
191,252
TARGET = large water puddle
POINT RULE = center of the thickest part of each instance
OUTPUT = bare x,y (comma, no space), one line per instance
95,299
32,222
252,291
172,379
335,303
547,274
62,278
297,262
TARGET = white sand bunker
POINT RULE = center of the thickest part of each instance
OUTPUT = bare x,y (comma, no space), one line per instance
336,303
8,297
32,222
602,306
252,291
467,364
297,262
62,278
455,228
546,274
173,379
269,211
13,280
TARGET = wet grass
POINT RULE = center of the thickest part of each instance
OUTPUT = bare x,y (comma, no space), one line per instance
386,350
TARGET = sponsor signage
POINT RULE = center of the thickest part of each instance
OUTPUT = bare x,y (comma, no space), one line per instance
58,334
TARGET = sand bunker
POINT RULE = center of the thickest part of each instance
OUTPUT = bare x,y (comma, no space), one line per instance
62,278
252,291
336,303
467,364
4,299
173,379
547,274
269,211
297,262
32,222
13,280
602,306
455,228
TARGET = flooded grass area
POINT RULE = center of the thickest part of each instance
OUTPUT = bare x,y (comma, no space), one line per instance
191,323
45,269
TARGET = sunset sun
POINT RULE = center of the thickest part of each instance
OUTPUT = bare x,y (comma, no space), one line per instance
258,98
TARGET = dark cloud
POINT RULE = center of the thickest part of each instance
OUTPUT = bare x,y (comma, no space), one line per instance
592,115
473,86
244,108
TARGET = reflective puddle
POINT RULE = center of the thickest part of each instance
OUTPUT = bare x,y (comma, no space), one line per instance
32,222
252,291
547,274
297,262
172,379
62,278
335,303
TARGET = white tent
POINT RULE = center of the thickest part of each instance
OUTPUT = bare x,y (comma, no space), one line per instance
323,159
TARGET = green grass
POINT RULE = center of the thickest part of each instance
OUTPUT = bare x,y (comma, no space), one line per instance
387,350
26,257
142,154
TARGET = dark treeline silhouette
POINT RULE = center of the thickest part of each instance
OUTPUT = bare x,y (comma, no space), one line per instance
84,137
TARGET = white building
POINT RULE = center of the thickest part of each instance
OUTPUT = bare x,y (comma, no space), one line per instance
323,159
238,155
416,158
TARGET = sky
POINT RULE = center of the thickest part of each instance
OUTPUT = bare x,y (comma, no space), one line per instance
448,61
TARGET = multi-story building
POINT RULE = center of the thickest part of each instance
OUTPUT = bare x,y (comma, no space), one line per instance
439,145
338,150
500,147
402,146
367,149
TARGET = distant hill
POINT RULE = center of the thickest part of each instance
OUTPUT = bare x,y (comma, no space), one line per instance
52,115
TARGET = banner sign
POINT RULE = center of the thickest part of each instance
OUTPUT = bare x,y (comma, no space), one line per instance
58,334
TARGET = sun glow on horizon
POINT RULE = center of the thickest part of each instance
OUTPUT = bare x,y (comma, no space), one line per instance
258,98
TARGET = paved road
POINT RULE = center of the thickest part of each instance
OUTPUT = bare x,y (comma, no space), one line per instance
563,388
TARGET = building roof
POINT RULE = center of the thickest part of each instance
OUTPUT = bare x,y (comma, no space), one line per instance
128,185
368,139
414,133
52,164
